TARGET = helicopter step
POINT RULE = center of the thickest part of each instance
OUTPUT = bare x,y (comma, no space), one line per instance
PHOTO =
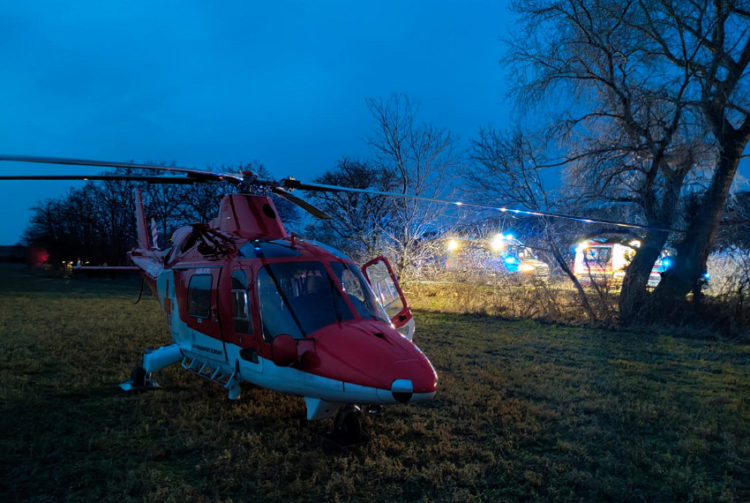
214,373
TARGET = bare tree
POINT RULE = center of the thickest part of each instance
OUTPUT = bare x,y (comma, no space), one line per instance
115,214
508,170
358,219
718,33
201,201
421,161
164,205
640,78
84,225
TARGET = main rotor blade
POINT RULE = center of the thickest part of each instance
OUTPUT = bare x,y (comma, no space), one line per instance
291,183
301,203
195,173
133,178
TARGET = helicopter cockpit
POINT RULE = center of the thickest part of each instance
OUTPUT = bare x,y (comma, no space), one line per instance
301,297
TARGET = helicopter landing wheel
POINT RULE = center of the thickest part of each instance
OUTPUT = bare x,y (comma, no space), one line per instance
347,427
138,377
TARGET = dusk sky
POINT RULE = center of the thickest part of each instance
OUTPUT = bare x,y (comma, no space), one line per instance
204,83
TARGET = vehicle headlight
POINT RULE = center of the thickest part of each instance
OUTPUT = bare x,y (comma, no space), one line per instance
527,267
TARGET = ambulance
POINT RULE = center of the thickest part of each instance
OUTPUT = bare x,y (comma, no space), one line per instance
604,261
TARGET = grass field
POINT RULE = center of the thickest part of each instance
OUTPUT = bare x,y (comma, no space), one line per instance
524,412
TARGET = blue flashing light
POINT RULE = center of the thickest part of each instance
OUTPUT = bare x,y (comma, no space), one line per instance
706,275
509,235
511,264
666,263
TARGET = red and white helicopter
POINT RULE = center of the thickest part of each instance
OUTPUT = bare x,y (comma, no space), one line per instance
246,301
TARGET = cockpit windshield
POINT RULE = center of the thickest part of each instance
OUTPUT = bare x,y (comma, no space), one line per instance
298,298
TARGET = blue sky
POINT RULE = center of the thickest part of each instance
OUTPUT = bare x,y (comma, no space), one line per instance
209,83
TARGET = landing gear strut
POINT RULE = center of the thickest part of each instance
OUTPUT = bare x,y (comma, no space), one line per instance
138,377
347,427
139,380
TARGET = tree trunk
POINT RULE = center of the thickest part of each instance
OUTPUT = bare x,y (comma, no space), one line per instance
692,252
633,295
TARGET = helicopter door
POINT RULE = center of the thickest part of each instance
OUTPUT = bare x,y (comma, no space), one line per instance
203,313
388,292
238,319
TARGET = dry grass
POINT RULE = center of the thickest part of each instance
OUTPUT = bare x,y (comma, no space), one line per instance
511,298
524,412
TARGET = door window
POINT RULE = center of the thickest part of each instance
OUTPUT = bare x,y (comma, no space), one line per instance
385,289
388,293
240,307
199,296
359,292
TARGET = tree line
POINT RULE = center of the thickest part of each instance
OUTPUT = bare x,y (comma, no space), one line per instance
96,223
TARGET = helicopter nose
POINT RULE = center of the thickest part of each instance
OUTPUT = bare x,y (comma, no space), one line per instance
368,355
413,380
402,390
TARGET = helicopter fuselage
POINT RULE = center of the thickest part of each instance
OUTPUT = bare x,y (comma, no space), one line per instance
251,304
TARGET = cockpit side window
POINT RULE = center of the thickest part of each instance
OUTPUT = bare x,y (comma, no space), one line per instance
358,291
240,305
